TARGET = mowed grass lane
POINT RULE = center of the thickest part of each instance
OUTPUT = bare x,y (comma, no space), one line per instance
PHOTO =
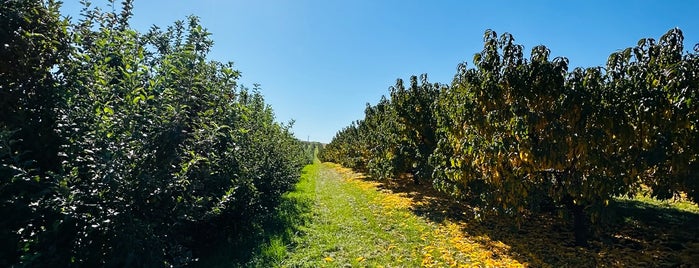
338,218
352,223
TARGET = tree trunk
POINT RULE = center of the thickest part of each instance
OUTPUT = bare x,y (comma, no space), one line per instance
581,224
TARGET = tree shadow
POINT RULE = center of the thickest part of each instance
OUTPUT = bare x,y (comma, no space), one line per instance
246,247
639,235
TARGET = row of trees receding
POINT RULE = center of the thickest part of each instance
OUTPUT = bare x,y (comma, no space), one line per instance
127,149
516,135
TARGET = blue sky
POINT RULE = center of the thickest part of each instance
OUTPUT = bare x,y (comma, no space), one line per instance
320,61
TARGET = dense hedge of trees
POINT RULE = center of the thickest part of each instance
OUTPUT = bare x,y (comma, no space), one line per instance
121,148
396,136
515,135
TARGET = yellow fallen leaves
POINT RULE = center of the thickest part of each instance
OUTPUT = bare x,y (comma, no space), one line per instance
396,201
445,244
389,200
450,242
479,249
455,239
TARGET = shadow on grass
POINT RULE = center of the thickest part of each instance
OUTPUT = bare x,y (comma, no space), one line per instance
264,243
639,235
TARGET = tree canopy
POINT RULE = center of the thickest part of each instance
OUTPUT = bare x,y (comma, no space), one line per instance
516,135
122,148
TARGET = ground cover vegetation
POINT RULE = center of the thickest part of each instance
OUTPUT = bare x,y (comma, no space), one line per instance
126,148
336,217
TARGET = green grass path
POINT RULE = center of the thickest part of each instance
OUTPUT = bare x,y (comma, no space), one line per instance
350,227
352,224
335,218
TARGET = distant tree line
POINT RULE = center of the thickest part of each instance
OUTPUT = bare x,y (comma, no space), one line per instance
516,135
311,149
127,149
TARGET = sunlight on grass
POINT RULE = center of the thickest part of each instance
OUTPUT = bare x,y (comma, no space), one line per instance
275,250
447,243
338,218
679,203
356,224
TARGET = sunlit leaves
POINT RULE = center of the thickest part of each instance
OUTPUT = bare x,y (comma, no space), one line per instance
159,150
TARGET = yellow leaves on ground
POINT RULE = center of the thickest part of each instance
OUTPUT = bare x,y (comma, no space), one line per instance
396,201
451,237
450,243
479,249
390,200
431,230
446,244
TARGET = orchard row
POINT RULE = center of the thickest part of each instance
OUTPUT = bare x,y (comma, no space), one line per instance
128,149
516,135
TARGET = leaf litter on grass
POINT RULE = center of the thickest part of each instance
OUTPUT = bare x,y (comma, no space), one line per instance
543,240
444,243
396,223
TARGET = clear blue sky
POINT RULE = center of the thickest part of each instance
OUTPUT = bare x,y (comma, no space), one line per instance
320,61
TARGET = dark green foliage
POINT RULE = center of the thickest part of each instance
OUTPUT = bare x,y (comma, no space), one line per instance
657,85
33,40
417,129
397,135
154,152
